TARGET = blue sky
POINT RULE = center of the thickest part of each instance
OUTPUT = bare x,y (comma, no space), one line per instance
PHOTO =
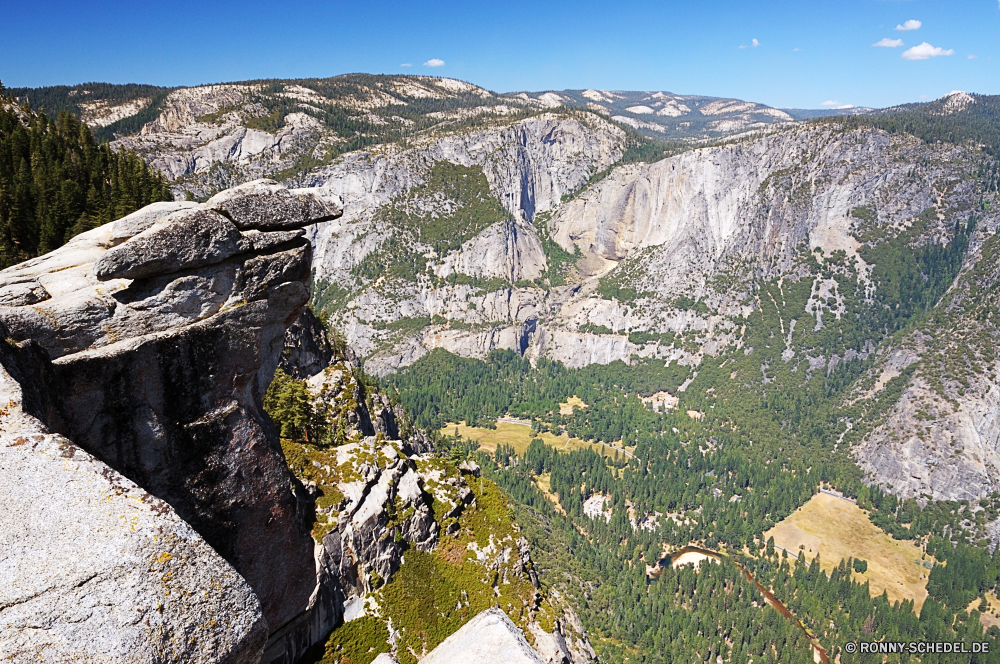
806,52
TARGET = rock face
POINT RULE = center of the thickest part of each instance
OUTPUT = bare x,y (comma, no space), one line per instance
530,166
489,638
941,439
700,225
161,375
509,250
97,569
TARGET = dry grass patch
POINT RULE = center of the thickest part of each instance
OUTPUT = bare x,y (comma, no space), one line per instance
519,436
991,617
571,403
544,484
839,529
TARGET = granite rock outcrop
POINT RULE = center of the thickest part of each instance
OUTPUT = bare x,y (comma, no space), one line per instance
97,569
149,343
487,638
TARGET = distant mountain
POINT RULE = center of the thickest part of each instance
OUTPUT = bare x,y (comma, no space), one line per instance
957,117
812,113
672,116
114,111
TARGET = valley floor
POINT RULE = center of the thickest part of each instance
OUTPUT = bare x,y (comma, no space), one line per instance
837,529
519,436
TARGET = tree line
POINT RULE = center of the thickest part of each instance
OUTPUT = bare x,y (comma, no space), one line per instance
56,181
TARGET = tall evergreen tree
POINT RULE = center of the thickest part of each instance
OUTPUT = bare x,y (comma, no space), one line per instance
56,181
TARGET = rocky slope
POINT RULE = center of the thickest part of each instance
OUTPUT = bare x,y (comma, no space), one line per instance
631,246
381,496
941,439
134,378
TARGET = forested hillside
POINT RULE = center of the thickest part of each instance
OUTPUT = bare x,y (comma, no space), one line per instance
955,118
763,422
96,104
56,181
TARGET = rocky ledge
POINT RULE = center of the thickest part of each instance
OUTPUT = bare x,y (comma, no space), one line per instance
148,343
96,569
153,514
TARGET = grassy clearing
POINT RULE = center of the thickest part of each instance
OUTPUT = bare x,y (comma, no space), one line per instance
519,436
990,617
571,403
839,529
544,484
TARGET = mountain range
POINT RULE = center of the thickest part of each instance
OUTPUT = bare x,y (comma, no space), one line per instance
736,306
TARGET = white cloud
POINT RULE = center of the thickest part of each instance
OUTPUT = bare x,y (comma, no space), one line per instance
434,62
924,51
885,42
406,64
972,57
795,50
845,106
830,102
755,43
910,25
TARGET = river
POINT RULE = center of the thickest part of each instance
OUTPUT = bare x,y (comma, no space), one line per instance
694,555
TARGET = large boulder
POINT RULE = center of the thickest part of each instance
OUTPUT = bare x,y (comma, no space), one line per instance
149,343
96,569
266,205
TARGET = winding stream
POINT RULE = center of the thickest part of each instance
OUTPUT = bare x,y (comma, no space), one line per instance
819,652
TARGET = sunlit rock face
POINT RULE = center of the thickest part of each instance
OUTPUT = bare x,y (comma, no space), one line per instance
149,342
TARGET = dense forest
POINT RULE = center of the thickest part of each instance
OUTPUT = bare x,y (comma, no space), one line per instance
683,616
56,181
978,122
764,438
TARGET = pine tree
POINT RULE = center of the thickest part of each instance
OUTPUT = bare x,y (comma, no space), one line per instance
57,182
